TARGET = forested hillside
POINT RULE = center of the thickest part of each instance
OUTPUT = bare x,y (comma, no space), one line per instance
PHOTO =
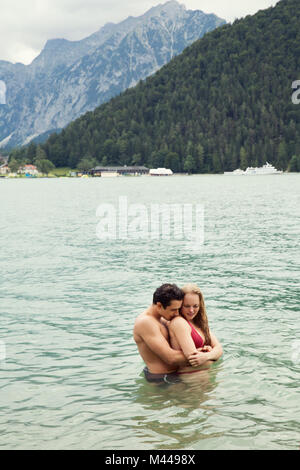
225,102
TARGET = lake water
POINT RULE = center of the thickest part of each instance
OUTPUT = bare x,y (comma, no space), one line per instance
71,376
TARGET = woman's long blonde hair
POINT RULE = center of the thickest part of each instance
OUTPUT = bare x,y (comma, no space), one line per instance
201,318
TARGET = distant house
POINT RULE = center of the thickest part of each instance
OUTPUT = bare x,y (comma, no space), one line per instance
120,170
161,172
4,169
28,170
116,171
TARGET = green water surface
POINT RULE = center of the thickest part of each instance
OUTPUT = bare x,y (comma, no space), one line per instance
72,376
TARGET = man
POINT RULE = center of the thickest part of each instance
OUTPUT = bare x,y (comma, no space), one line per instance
151,336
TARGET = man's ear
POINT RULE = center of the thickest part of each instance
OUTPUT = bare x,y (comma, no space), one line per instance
159,305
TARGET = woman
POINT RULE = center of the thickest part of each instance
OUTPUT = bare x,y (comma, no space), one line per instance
190,333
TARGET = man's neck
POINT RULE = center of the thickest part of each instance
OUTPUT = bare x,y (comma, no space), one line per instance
153,312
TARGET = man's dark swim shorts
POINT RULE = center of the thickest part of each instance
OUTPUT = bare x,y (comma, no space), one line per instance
161,378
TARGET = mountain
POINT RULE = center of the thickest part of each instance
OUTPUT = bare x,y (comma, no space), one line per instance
226,102
69,78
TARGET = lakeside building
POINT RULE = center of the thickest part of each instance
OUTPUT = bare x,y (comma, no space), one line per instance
161,172
115,171
30,170
4,169
109,174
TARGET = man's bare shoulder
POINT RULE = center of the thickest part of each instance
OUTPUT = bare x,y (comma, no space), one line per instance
144,319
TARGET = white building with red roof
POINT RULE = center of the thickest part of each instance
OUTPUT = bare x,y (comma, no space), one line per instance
29,170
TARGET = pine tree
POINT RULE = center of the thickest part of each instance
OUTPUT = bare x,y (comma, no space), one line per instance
14,165
243,159
40,154
199,158
294,164
189,164
44,166
281,162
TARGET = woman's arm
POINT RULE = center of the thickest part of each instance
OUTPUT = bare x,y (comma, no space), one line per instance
180,331
196,359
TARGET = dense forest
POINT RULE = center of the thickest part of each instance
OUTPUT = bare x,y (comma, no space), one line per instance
225,102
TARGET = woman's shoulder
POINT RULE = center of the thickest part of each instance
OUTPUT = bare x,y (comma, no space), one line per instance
178,322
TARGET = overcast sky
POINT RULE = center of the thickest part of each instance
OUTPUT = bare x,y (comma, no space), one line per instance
25,25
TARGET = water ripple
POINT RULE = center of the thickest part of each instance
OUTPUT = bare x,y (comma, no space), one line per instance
72,377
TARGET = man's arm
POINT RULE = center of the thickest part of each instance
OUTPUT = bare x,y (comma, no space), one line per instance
158,344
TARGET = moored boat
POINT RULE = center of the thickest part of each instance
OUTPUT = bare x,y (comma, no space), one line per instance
266,169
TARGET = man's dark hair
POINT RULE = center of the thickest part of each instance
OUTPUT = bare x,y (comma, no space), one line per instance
166,293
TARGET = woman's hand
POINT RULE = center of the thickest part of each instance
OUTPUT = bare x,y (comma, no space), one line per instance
198,358
206,348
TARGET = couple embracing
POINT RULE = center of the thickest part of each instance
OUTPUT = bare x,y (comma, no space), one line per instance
173,336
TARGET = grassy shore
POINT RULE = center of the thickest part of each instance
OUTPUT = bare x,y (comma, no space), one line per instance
56,173
64,171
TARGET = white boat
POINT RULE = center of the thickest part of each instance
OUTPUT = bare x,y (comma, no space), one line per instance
250,171
266,169
238,171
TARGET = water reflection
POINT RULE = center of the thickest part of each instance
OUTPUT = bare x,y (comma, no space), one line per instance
175,415
190,393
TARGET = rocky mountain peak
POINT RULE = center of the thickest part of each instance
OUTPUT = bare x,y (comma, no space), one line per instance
69,78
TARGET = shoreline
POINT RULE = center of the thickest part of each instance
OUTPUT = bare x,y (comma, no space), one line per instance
19,177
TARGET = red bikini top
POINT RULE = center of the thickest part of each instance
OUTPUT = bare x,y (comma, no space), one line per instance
196,337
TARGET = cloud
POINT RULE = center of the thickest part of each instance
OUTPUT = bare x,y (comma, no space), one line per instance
26,25
230,9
